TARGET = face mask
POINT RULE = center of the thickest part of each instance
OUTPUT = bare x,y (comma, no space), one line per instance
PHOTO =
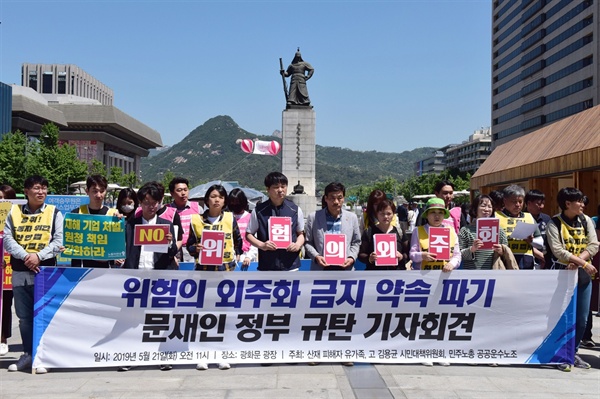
126,208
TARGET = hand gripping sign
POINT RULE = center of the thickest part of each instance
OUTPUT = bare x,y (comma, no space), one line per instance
212,247
385,249
439,242
335,249
488,231
280,231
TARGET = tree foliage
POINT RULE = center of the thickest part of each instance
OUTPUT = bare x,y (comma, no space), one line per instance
414,185
21,158
97,168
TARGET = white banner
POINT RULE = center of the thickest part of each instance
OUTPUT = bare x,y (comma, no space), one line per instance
113,317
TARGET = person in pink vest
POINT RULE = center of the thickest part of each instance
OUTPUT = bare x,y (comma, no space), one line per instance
237,202
179,189
445,191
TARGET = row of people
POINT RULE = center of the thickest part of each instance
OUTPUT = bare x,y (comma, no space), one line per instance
28,253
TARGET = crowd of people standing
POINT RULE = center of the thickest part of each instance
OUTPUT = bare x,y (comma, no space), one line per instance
565,241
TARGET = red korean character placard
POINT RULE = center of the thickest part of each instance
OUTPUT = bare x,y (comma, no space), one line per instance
213,243
280,231
488,231
439,242
335,249
385,249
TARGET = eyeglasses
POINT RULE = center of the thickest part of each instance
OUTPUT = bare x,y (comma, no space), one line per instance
39,189
150,204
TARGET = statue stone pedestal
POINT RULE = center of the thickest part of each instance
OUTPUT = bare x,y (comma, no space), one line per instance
298,155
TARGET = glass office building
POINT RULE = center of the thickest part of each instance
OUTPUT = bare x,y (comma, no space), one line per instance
5,108
544,62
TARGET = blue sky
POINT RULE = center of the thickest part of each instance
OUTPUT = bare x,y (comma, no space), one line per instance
389,75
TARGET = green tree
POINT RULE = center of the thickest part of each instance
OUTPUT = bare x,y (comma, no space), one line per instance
115,175
13,160
130,180
167,177
20,158
58,162
97,168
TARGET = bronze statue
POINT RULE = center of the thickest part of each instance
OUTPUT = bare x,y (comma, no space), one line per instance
300,71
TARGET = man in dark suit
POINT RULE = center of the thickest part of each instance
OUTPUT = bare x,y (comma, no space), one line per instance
332,219
136,257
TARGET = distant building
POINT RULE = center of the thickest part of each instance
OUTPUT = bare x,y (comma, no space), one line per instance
65,79
5,108
470,155
434,164
81,107
544,63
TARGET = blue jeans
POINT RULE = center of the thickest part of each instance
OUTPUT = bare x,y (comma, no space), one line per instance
582,310
23,296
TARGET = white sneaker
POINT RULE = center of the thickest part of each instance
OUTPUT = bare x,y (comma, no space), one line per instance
202,366
3,349
21,364
428,364
224,366
41,370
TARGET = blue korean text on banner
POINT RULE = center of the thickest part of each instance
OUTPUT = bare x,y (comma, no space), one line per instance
66,203
96,237
140,317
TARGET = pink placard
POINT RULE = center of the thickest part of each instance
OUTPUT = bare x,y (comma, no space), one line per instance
439,242
280,231
385,249
488,231
213,243
335,249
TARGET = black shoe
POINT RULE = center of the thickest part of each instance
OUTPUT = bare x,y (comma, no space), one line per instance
588,343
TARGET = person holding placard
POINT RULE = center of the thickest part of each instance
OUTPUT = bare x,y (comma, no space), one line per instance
434,247
214,240
510,218
137,254
279,243
224,257
371,253
440,251
95,188
332,236
150,240
480,240
322,246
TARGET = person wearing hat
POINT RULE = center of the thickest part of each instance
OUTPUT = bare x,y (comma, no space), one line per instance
435,212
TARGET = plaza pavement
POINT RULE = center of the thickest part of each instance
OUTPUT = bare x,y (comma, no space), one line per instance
290,381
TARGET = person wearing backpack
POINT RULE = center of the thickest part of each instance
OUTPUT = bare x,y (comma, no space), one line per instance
573,242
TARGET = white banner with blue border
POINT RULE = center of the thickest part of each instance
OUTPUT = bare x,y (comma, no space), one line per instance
114,317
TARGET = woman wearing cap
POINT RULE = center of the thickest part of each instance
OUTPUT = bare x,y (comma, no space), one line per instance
435,213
